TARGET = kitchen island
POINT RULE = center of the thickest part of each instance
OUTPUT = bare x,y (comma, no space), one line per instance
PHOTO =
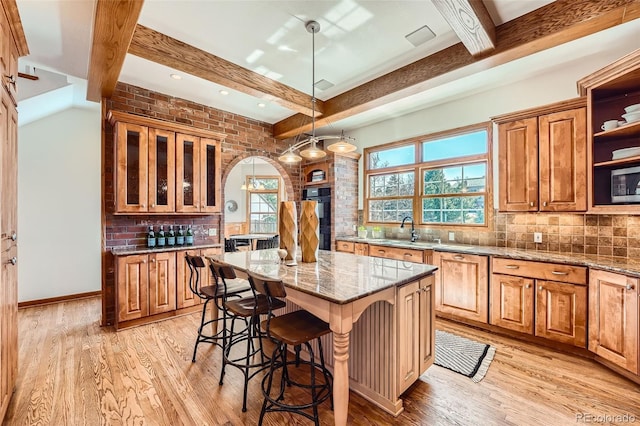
380,311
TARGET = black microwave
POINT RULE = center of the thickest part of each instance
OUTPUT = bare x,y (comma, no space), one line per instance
624,185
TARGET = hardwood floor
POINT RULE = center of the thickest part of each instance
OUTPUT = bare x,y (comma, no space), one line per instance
73,372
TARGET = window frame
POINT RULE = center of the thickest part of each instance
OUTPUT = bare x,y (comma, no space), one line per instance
276,191
418,168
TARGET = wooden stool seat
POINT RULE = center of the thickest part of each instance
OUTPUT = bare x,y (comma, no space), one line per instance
296,328
249,306
234,287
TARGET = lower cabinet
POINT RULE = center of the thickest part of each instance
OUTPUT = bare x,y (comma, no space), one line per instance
416,330
462,285
397,253
345,246
361,248
185,297
523,300
613,318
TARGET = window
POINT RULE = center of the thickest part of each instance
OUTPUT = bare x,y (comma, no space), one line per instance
438,179
263,195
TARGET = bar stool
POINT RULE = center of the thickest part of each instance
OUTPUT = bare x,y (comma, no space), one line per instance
253,360
292,329
218,293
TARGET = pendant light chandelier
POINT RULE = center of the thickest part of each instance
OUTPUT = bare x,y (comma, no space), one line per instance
312,152
253,183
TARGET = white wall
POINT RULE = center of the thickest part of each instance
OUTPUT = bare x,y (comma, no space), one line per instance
59,195
542,89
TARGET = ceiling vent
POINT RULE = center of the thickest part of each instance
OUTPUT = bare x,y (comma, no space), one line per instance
323,84
421,35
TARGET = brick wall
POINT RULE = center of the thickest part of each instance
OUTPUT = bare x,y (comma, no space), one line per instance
244,137
345,198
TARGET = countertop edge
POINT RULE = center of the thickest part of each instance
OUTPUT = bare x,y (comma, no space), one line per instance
146,250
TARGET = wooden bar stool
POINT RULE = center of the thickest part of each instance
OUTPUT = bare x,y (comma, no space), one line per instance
218,293
252,360
292,329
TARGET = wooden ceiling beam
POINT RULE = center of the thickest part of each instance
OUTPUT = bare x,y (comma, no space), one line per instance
114,24
549,26
157,47
471,22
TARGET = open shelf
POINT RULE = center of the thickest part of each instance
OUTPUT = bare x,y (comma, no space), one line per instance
620,161
629,129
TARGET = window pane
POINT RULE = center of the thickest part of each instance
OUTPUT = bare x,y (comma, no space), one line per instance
390,210
456,146
391,185
454,210
455,180
392,157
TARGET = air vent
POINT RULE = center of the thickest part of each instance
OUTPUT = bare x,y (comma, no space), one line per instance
323,84
419,36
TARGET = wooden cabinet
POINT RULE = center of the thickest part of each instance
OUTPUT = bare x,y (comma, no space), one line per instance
361,248
146,285
345,246
416,331
163,167
462,285
185,297
543,158
609,91
397,253
613,318
543,299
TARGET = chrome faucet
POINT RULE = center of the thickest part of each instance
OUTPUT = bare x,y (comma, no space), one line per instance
414,234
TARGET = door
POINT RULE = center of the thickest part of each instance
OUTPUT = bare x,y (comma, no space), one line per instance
210,191
613,318
162,171
131,168
562,142
512,302
188,179
162,282
408,335
462,285
427,324
518,165
561,312
132,287
184,296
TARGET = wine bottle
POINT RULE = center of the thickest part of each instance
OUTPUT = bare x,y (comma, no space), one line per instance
189,238
161,238
180,237
151,238
171,238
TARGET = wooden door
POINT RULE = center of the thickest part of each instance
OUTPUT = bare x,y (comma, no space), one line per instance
613,318
162,282
562,144
361,249
462,286
408,335
132,289
427,324
188,179
512,302
184,296
561,312
131,168
162,171
518,165
9,250
210,176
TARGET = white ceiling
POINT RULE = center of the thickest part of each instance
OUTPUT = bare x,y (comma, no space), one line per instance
359,40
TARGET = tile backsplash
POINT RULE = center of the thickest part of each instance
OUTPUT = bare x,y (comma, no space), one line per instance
606,235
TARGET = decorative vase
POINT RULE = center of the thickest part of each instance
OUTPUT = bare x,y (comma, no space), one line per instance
362,233
288,228
309,231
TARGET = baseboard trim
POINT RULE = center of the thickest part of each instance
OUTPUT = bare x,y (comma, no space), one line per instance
38,302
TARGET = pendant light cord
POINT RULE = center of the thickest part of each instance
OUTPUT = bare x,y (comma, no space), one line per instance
313,82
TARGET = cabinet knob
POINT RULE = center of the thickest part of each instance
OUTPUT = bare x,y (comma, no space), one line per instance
14,236
142,205
153,205
13,260
458,257
381,251
544,204
153,260
511,267
628,287
197,205
144,261
532,204
540,288
559,273
529,286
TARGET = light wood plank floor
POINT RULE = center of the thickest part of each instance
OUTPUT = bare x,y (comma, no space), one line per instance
73,372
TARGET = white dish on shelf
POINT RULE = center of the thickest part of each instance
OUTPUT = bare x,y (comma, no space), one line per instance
632,108
631,117
625,152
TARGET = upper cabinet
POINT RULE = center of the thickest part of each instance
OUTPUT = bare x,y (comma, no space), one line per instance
613,96
163,167
543,158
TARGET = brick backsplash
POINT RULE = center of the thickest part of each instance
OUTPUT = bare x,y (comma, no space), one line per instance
605,235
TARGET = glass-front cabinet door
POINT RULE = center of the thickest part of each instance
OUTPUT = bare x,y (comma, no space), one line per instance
188,178
210,191
132,168
162,171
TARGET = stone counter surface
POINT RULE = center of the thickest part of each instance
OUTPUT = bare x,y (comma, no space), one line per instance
338,277
147,250
630,267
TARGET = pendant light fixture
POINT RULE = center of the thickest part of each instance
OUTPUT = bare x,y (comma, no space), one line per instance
253,183
313,152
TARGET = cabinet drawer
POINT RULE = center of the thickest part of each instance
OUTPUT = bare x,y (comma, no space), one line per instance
540,270
396,253
346,246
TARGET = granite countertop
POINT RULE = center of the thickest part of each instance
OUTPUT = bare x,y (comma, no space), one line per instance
146,250
337,277
626,266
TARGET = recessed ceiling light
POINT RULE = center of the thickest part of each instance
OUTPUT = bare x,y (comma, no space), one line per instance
262,105
176,77
224,92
